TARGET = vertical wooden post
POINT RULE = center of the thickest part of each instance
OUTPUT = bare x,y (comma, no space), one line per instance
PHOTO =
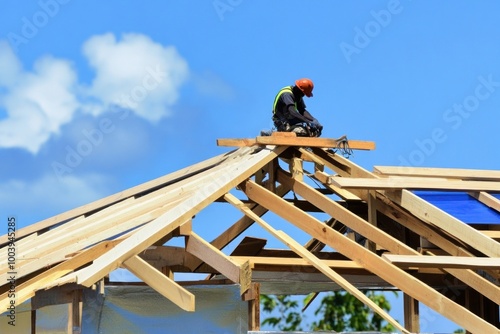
259,176
167,271
411,314
474,302
75,313
372,216
33,321
272,167
296,169
253,297
491,312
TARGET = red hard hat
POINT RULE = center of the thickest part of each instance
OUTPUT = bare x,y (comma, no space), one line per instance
306,86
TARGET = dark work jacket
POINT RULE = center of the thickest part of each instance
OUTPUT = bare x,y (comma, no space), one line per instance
289,107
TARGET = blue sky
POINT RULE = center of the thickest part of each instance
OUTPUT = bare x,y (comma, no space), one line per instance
99,96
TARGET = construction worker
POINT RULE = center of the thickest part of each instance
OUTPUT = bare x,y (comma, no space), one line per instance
289,110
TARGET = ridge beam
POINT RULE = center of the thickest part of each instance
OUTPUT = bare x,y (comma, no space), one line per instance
296,141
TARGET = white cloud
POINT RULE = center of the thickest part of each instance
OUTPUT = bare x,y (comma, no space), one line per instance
135,73
37,103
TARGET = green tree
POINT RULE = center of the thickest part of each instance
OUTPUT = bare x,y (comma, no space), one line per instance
288,318
341,311
338,311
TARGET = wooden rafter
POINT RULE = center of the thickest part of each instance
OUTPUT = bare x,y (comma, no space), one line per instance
413,183
487,199
314,261
404,281
448,173
406,261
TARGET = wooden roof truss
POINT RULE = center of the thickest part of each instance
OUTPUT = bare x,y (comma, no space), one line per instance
130,229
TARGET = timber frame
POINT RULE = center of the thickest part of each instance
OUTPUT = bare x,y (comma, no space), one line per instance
380,235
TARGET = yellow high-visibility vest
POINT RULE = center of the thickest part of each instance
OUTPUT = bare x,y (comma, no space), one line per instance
287,89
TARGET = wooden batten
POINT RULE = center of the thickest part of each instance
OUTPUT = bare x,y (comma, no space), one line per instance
295,141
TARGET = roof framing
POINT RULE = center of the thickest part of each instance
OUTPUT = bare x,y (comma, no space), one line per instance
132,229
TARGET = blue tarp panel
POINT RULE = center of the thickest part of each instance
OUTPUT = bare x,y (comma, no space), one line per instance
462,206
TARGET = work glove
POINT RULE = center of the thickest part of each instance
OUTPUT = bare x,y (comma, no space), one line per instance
316,128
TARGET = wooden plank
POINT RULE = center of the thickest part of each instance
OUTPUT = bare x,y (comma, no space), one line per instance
487,199
413,183
306,155
440,261
491,234
161,283
455,227
383,269
238,273
244,163
372,216
254,308
291,262
314,261
294,141
411,314
296,168
449,173
75,309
